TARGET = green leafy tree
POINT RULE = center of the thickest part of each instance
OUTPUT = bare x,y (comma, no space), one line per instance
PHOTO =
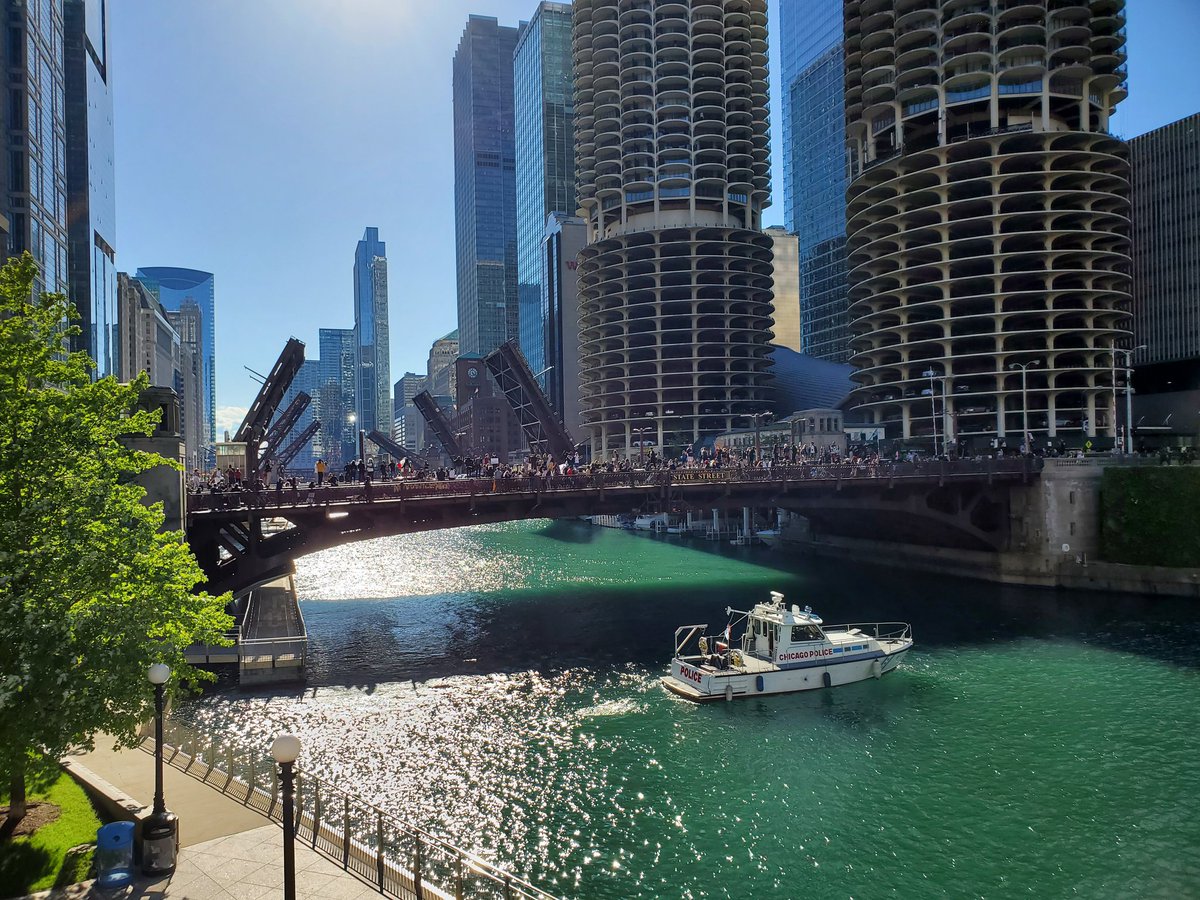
91,592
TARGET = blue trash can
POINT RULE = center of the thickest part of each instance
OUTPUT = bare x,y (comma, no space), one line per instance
114,855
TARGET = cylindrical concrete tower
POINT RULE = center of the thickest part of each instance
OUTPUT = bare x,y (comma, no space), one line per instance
675,283
988,218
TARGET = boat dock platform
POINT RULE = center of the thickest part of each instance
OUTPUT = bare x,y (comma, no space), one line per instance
270,644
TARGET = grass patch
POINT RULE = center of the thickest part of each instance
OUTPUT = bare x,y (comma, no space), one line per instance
40,860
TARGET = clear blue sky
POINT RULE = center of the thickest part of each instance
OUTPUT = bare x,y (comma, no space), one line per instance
257,138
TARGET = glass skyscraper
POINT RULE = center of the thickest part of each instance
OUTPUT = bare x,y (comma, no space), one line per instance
545,154
335,395
814,168
173,287
485,203
373,393
33,179
91,201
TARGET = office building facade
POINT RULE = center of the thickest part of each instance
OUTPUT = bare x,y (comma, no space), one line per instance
565,237
336,379
814,168
543,111
174,287
1166,242
91,197
33,181
440,371
485,205
188,322
146,340
673,175
987,219
785,248
373,391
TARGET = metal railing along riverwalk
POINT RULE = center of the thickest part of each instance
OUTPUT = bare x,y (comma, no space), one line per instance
412,489
400,859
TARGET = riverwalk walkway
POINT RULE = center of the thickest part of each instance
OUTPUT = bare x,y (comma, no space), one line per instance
228,851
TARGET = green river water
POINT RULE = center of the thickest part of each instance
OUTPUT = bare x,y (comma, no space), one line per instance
499,686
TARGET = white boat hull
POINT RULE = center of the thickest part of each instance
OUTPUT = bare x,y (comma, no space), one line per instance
703,683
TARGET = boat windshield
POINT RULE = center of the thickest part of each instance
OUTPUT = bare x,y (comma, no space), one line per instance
802,633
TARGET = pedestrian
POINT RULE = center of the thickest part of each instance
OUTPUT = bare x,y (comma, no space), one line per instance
320,472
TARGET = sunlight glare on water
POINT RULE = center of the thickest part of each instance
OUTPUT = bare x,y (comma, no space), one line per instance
1034,744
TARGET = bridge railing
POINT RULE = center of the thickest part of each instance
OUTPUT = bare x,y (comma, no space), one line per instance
638,478
399,858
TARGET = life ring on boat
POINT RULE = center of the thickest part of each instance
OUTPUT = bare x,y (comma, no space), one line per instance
704,646
735,658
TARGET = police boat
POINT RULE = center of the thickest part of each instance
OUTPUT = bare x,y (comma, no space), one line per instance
781,650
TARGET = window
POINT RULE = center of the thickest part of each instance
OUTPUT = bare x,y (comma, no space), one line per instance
802,633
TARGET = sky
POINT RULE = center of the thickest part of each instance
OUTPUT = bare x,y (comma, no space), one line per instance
256,139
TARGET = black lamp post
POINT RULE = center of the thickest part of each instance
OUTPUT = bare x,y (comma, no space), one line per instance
285,750
160,831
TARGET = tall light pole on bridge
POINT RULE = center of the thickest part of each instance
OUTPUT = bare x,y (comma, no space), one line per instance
756,418
640,432
1128,443
932,373
1026,437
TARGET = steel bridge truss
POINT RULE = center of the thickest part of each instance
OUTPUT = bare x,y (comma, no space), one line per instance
543,428
437,421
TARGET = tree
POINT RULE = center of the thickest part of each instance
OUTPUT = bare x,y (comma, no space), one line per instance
91,592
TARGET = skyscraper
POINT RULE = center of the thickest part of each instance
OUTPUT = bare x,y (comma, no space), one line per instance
336,378
308,380
485,205
440,377
786,264
174,287
545,158
188,322
673,165
814,168
988,246
91,201
565,237
373,394
1166,243
33,182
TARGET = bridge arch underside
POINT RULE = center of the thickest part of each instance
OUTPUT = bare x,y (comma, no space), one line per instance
959,517
236,553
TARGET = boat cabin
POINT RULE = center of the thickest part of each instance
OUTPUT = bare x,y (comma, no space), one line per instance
772,628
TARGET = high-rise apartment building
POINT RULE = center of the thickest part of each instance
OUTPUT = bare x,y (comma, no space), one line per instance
785,261
403,392
814,168
1166,242
91,198
545,155
373,394
485,205
33,179
174,287
987,217
673,175
565,238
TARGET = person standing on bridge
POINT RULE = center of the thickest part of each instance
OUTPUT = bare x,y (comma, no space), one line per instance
320,467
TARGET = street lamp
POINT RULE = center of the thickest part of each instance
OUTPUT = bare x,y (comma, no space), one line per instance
755,418
642,442
932,373
1026,439
160,832
1128,391
285,749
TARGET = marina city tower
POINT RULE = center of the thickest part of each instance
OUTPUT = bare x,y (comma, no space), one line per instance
987,218
672,159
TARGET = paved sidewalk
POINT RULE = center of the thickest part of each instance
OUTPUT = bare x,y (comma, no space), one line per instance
229,852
